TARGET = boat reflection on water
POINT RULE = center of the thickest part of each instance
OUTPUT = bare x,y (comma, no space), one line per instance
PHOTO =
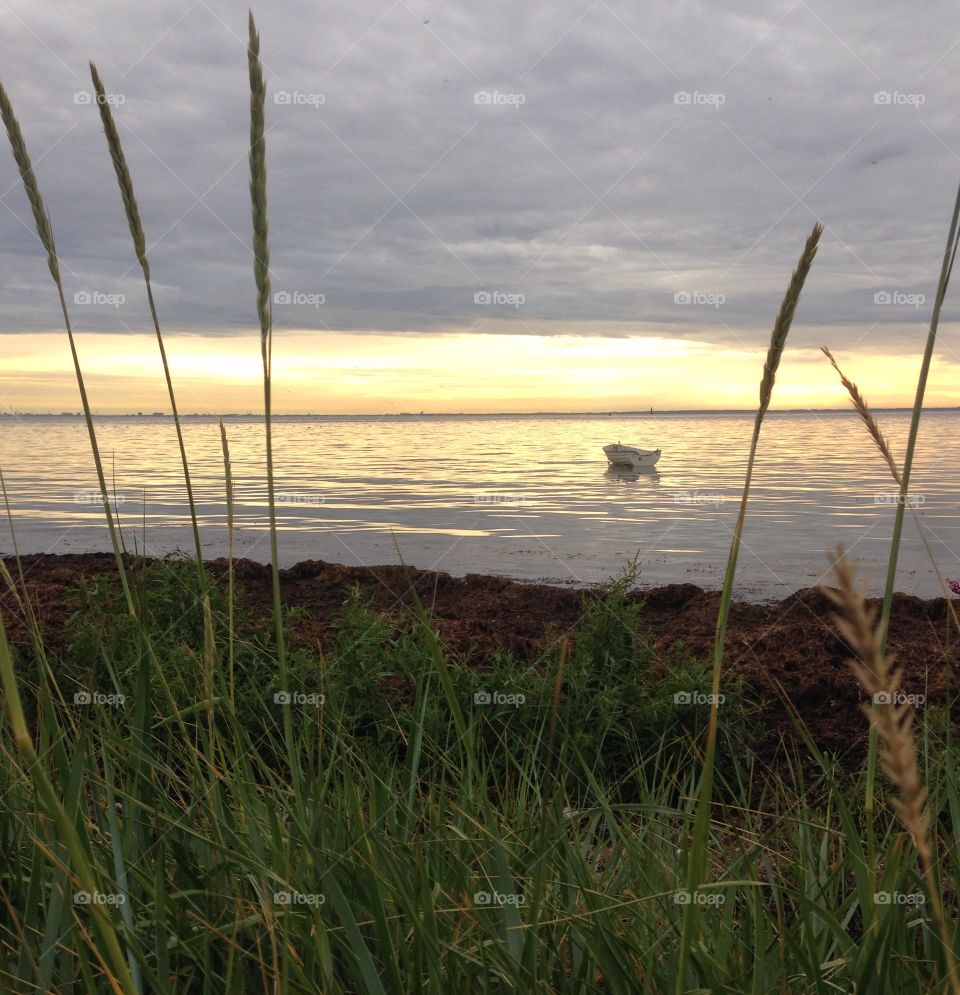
632,473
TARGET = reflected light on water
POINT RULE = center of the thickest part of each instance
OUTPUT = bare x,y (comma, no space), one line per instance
528,497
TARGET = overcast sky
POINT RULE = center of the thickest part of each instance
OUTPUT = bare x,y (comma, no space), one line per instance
584,166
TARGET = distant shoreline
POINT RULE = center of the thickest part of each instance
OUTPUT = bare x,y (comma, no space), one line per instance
439,415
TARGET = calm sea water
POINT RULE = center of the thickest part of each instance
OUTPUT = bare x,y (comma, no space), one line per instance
527,497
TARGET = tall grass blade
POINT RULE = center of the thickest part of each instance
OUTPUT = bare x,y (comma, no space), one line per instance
261,272
949,254
228,480
45,232
22,595
108,943
120,866
697,856
132,211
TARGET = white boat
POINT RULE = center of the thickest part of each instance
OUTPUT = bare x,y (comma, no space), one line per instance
619,455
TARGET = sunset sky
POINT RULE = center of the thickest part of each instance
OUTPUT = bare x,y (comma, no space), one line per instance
485,207
435,372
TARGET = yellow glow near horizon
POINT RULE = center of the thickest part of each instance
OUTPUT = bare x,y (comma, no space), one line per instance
356,373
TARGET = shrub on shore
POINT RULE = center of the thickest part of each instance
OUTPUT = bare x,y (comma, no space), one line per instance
620,703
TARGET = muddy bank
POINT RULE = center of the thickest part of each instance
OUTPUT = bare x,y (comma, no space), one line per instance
784,652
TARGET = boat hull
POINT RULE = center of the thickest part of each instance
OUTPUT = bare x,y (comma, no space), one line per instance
618,455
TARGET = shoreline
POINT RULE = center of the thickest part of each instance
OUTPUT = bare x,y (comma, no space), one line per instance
786,653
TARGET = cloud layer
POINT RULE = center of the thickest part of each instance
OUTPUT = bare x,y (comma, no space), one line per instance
578,167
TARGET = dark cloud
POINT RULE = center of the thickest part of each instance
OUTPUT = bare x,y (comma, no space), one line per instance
590,167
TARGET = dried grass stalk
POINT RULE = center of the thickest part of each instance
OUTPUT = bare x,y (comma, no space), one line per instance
45,233
132,211
873,428
124,179
22,158
781,326
892,716
258,189
261,272
866,416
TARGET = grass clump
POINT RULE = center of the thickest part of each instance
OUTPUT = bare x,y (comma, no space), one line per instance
621,705
550,854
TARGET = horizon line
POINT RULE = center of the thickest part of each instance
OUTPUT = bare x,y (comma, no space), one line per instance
630,412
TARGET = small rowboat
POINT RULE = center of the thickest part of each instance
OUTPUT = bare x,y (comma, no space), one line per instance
619,455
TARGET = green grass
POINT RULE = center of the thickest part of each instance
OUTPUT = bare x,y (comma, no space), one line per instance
616,695
403,831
